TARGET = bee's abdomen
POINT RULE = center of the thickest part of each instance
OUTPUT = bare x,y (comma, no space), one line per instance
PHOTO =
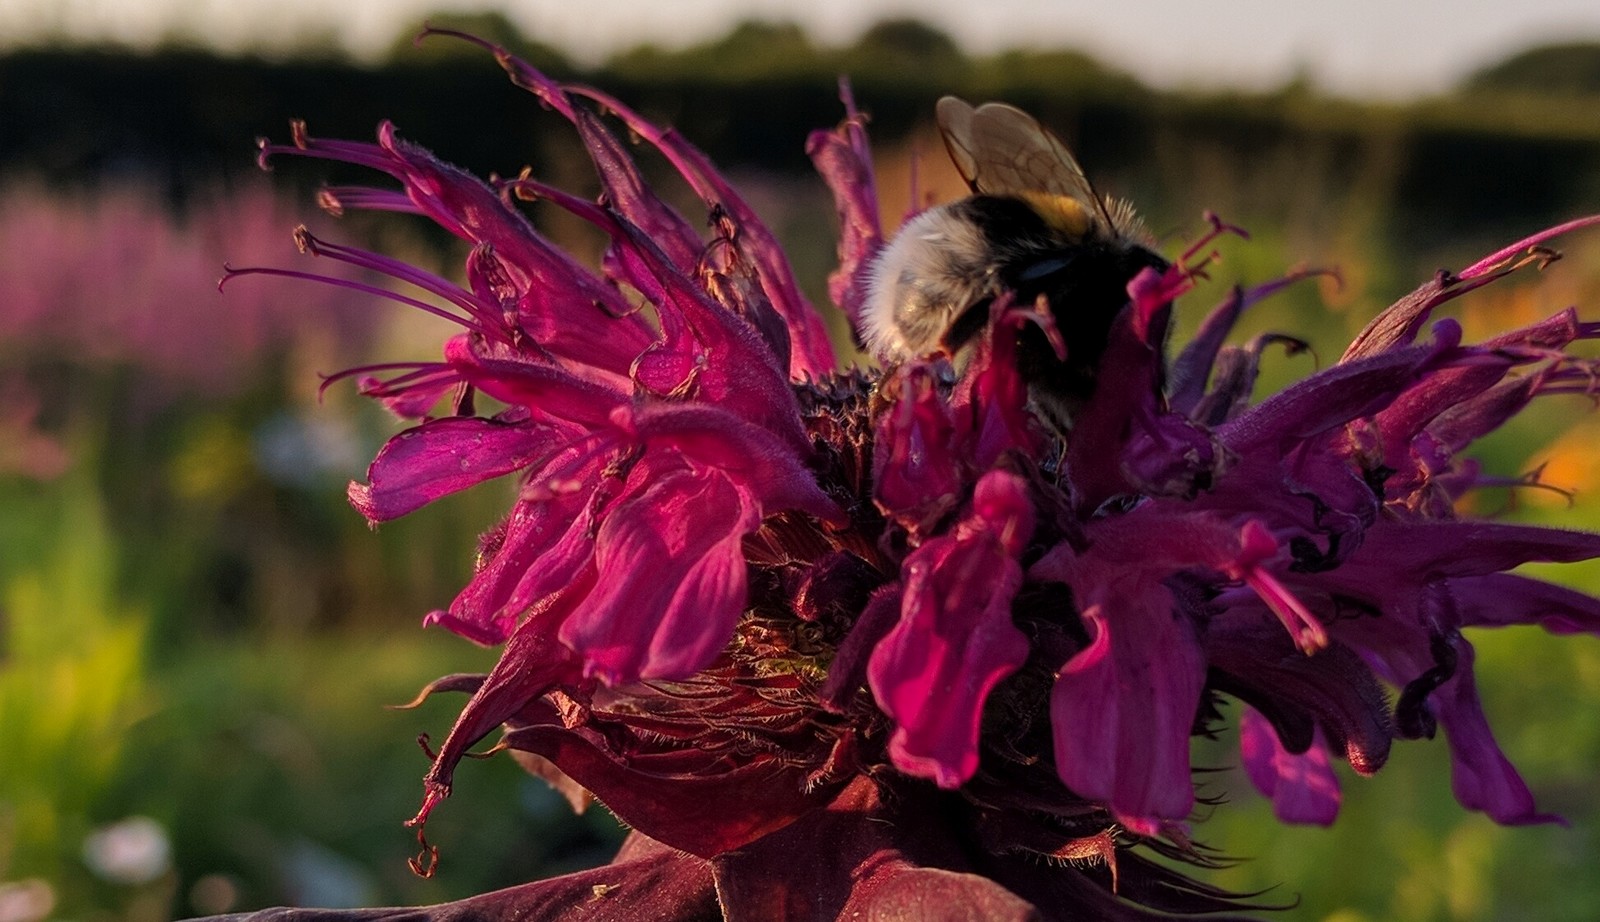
1013,233
1086,286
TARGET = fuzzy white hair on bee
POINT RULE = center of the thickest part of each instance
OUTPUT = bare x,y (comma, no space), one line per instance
1033,226
937,264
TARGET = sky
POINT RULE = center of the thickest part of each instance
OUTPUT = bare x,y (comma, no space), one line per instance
1384,48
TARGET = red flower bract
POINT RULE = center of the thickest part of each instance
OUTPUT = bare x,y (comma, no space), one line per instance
882,645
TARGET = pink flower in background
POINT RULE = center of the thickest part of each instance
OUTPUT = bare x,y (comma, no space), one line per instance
162,316
881,644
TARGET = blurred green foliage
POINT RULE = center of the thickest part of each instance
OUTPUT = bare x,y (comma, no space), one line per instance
188,633
1569,70
73,681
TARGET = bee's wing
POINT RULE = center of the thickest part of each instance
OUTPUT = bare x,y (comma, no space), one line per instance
1002,150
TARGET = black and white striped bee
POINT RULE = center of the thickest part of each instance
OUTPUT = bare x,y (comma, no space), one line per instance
1033,226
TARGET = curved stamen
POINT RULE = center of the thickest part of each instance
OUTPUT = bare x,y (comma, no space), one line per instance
359,153
231,273
335,199
1494,261
419,369
487,315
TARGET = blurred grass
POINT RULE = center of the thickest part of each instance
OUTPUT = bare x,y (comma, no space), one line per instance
269,755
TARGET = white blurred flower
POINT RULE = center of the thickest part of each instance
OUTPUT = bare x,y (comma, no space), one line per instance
131,851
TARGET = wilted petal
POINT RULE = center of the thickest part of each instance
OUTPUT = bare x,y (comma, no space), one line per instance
676,887
1332,695
531,664
864,861
687,797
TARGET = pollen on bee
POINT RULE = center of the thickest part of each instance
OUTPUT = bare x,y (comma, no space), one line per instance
1062,213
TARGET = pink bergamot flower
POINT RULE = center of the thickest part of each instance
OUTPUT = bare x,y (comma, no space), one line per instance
882,644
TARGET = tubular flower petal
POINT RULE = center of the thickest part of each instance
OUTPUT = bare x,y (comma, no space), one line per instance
1302,786
909,632
955,640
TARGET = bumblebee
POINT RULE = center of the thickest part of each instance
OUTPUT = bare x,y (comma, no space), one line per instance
1033,226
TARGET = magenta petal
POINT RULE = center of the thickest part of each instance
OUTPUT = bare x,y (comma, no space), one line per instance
991,402
710,522
1469,420
1130,374
845,163
1460,549
1201,360
560,314
544,388
1122,708
549,293
1420,404
543,548
848,672
955,640
411,395
443,456
811,352
1501,599
744,375
625,189
1303,787
1481,776
671,578
1325,400
753,457
916,473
